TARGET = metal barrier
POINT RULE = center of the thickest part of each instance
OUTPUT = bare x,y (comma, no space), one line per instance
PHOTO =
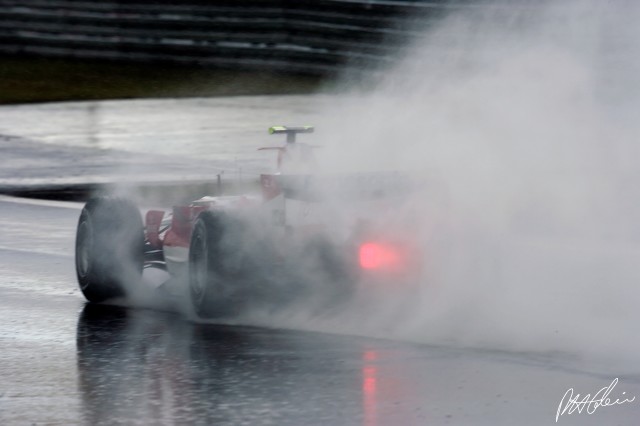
304,36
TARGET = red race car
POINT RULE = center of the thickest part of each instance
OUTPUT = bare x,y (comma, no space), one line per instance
299,236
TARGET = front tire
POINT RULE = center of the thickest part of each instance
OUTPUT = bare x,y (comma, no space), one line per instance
109,247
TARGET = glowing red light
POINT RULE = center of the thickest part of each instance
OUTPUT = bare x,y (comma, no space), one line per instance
370,388
377,256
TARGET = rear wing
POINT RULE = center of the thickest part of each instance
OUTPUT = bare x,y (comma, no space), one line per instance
291,132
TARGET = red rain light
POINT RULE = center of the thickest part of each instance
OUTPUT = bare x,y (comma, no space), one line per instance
378,256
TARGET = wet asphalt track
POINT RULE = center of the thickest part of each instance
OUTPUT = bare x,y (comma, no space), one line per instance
66,362
63,362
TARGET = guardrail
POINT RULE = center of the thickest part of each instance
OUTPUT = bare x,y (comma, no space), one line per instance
303,36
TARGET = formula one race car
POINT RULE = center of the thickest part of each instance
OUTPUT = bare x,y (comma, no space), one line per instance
303,236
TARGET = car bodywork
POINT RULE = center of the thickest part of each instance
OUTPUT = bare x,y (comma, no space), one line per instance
298,227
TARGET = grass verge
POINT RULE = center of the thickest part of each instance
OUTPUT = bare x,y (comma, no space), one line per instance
26,79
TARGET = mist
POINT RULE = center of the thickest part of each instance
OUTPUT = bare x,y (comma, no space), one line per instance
523,116
519,123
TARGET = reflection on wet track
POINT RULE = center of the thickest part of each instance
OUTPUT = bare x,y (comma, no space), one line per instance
139,364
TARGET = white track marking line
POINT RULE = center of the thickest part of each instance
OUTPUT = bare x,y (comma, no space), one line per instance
45,203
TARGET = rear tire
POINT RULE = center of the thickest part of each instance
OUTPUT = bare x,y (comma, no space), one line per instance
329,275
217,265
109,247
